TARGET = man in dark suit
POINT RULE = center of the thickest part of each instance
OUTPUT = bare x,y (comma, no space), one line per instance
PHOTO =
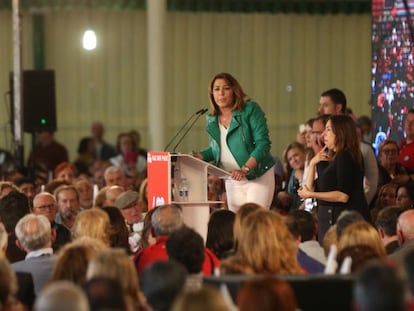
104,151
34,235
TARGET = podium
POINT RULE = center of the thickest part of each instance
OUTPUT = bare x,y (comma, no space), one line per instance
165,171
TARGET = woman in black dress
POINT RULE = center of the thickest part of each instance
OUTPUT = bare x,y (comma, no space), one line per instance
338,169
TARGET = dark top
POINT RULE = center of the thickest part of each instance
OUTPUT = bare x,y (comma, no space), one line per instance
63,236
25,293
50,155
343,174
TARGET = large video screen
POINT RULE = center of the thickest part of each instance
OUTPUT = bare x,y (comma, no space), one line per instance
392,67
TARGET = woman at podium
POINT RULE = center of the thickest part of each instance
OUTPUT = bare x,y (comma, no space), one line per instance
239,143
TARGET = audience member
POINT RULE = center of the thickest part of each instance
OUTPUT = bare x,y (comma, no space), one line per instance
329,240
47,152
62,296
103,150
85,190
65,171
86,155
162,282
203,299
386,224
93,223
265,245
309,264
165,220
128,158
386,197
405,195
72,260
266,294
244,211
345,219
295,156
34,237
107,196
388,167
220,238
186,246
105,294
45,204
407,147
380,288
119,233
405,233
26,185
143,195
67,198
12,208
129,205
115,264
114,176
307,230
6,187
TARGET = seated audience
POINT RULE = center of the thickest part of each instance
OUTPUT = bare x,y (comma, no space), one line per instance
386,224
72,260
65,171
265,245
405,233
203,299
380,288
85,190
162,282
386,197
13,207
405,196
118,233
105,294
93,223
165,220
34,237
62,296
45,204
266,294
220,238
115,264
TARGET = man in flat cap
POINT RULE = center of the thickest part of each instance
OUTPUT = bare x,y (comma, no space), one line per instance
130,207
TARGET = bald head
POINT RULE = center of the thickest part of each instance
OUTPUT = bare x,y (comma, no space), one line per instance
405,225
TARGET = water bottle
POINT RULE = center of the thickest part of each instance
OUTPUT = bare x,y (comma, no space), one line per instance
183,190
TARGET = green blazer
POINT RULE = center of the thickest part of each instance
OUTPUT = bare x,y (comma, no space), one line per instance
248,136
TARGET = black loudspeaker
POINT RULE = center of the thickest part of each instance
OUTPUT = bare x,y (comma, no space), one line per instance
38,100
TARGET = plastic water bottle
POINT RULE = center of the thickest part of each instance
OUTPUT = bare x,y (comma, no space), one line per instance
183,190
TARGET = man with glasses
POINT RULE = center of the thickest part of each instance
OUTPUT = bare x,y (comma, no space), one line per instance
45,204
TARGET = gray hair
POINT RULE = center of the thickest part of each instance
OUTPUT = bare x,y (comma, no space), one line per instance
167,219
110,170
33,232
62,296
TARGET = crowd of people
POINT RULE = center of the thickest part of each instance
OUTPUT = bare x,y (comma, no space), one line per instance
79,235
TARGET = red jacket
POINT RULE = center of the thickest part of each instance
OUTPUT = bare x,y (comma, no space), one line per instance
157,252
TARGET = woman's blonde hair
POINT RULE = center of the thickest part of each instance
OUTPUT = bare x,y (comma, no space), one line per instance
115,264
362,233
241,215
93,223
266,245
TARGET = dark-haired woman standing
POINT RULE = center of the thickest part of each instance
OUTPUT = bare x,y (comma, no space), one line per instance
339,170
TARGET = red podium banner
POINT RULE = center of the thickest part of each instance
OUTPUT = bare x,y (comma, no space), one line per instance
159,170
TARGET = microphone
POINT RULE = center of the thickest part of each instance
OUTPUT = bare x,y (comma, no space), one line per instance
199,113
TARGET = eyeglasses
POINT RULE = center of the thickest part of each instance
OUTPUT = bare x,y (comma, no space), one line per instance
389,151
44,207
317,132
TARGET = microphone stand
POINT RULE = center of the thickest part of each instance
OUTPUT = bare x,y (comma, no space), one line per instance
200,113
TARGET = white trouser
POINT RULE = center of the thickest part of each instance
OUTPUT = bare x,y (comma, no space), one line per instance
259,191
